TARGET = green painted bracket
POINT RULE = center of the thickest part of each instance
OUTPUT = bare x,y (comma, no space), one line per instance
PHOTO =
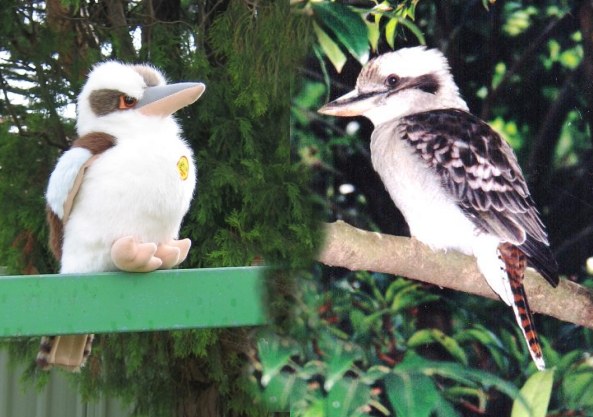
127,302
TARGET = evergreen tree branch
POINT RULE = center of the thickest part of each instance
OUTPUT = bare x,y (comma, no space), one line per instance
348,247
7,103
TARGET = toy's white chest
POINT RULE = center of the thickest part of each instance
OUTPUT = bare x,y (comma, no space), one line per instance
432,215
141,186
159,173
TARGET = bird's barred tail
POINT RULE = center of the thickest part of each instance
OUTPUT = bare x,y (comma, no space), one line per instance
516,262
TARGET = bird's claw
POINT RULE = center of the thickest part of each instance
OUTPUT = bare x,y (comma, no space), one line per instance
132,256
173,252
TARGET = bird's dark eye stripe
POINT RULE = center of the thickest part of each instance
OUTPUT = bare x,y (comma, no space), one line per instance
361,97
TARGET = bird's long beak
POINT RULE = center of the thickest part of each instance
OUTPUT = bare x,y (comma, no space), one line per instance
167,99
351,104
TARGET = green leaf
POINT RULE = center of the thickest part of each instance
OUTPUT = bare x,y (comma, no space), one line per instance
390,32
381,409
330,48
341,360
570,59
374,34
414,29
577,387
535,396
348,27
411,394
458,392
281,389
315,409
374,373
456,372
427,336
394,287
346,398
567,361
363,324
377,293
410,296
274,354
487,339
311,368
445,409
411,26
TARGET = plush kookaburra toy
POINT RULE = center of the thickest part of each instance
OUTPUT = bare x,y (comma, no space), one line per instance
117,197
455,180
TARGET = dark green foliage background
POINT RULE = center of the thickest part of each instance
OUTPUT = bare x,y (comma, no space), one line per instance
368,344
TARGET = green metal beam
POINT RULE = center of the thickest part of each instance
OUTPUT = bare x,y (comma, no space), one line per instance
124,302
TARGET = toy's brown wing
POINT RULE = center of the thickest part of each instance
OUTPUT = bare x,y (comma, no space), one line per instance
71,351
65,181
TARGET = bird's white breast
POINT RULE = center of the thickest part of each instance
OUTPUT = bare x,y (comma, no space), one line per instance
134,188
431,213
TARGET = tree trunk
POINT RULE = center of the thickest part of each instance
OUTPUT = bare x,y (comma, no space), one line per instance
122,40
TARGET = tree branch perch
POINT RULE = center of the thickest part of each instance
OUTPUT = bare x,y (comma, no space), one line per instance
356,249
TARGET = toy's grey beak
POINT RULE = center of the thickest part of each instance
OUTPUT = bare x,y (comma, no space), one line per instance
167,99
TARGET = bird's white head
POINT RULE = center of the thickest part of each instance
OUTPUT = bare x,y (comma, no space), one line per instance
119,96
400,83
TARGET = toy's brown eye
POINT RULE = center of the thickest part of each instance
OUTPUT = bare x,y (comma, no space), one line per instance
391,80
126,102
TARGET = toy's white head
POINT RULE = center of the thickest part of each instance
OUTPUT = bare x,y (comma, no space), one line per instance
400,83
118,96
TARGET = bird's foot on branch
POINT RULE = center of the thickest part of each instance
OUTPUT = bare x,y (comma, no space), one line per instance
173,252
132,256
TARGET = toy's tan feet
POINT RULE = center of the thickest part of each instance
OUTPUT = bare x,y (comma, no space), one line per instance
173,252
132,256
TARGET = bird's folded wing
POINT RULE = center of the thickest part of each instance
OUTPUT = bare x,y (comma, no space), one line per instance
482,174
65,180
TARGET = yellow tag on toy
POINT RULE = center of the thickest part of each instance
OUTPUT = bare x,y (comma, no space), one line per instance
183,167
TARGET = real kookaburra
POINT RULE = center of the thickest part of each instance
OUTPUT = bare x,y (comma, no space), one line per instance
457,183
116,199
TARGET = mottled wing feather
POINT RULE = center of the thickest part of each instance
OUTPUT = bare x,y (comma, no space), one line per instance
482,173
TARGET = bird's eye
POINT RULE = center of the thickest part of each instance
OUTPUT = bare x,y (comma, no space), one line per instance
391,80
126,102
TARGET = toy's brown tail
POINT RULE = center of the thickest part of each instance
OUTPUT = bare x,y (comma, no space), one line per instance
68,352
